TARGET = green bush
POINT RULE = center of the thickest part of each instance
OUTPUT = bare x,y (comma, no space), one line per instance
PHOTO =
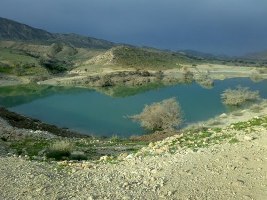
160,116
239,96
78,155
59,150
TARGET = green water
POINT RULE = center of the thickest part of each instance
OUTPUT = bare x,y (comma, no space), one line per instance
91,112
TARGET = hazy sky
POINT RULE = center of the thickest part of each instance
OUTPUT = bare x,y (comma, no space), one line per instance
217,26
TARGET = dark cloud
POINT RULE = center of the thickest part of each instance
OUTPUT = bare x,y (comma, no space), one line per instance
217,26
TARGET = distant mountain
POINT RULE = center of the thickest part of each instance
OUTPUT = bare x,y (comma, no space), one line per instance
257,56
15,31
11,30
202,55
197,54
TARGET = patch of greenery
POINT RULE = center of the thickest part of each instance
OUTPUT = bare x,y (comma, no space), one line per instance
5,69
60,150
55,66
217,130
149,58
250,123
13,56
29,146
196,140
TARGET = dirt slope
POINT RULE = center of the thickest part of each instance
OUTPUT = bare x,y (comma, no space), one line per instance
222,171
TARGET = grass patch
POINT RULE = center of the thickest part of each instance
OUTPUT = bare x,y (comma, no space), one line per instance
29,146
250,123
195,140
60,150
149,58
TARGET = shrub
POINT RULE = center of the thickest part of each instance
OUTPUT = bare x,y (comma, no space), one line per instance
59,150
78,155
238,96
160,115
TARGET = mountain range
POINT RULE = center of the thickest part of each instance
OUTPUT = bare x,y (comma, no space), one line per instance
15,31
25,50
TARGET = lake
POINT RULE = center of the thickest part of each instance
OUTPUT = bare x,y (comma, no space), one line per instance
91,112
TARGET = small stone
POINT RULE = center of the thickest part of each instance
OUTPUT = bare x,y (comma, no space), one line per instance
90,198
223,115
125,184
126,198
103,158
130,156
151,144
248,138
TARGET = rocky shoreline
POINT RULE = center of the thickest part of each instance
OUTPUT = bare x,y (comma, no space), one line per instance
23,122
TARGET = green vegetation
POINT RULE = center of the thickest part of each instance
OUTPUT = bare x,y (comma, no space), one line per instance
60,150
148,58
29,146
160,116
70,149
196,140
253,122
239,96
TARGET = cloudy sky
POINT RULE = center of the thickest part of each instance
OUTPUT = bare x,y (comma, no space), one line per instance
231,27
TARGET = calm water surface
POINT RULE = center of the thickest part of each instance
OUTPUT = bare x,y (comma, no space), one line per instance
91,112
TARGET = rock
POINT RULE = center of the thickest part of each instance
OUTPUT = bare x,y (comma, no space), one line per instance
130,156
122,156
103,158
223,115
248,138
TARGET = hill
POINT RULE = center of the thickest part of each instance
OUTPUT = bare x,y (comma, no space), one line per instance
26,51
29,51
15,31
36,54
11,30
257,56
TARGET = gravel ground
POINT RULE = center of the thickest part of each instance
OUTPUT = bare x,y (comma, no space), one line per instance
223,171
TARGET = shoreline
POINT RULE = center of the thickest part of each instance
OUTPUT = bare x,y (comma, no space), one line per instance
111,76
23,122
220,121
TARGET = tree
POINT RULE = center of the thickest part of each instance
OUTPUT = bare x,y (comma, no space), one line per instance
160,115
238,96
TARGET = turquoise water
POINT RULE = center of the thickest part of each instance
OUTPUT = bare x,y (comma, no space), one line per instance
91,112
